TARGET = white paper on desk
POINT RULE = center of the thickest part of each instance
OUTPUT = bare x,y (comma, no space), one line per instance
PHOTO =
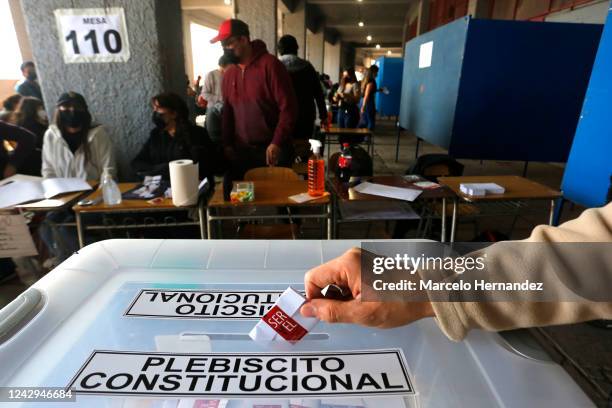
20,177
19,192
305,197
400,193
50,203
15,238
57,186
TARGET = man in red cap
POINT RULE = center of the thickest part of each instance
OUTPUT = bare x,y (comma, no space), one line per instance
259,104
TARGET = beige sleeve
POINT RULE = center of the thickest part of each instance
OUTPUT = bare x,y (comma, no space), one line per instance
455,319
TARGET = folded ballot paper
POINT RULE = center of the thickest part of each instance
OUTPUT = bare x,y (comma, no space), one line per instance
481,189
284,321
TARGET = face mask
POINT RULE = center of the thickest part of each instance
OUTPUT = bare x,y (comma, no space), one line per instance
158,120
32,76
231,56
42,115
73,119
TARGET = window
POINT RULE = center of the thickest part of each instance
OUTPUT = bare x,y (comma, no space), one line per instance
205,55
11,55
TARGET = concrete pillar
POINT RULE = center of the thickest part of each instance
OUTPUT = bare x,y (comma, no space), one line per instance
261,17
479,8
118,93
294,23
20,30
423,16
331,61
315,48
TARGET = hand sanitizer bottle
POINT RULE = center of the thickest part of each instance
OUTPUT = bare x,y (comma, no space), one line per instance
110,190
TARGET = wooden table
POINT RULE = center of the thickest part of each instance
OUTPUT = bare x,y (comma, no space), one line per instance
517,189
342,192
349,133
131,206
269,194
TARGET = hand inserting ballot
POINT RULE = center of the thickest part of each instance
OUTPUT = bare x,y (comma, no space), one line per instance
345,272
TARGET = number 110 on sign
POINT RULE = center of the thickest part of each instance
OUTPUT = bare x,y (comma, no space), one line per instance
93,35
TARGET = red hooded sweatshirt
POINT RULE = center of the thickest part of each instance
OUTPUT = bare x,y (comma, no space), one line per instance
259,102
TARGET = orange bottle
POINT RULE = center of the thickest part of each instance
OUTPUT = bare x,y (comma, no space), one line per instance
316,170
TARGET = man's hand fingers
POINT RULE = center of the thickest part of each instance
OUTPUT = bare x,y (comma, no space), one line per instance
321,276
331,311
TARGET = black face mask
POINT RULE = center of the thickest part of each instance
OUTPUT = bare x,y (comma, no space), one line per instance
231,57
73,119
32,76
158,120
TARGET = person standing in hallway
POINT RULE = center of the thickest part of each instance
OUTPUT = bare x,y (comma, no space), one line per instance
259,104
212,93
29,85
347,96
368,101
306,85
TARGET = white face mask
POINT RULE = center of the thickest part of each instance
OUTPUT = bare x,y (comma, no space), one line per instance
42,115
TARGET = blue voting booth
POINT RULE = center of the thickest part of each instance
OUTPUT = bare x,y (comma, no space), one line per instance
389,76
498,90
589,167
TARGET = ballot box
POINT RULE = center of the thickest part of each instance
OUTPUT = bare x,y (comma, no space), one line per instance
165,323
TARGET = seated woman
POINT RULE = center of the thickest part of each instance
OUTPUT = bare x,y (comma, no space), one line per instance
72,147
30,114
173,138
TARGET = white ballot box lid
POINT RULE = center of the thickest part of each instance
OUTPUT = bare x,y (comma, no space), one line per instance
117,296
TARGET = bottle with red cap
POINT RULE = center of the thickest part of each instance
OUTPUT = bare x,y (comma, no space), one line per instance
344,163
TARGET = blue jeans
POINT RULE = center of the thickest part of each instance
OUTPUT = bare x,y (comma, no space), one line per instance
348,117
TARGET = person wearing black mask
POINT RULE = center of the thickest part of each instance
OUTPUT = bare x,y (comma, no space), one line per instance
29,86
73,146
173,138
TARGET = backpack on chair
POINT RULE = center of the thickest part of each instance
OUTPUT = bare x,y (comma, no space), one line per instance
432,166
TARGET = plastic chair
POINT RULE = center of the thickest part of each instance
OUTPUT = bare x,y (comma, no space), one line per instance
270,231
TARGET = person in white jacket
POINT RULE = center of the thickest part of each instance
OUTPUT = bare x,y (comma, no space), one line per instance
72,146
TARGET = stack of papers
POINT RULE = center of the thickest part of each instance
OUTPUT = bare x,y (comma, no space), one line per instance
399,193
481,189
23,191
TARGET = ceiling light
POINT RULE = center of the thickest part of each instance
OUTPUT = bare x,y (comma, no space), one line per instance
378,46
369,38
360,24
389,52
227,2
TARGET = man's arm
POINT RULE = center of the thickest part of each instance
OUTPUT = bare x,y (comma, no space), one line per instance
593,225
318,94
457,318
208,90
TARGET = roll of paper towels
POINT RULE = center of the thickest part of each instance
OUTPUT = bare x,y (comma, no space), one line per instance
184,182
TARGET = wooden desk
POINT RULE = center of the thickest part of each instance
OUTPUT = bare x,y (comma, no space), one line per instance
269,194
349,133
343,193
131,206
517,189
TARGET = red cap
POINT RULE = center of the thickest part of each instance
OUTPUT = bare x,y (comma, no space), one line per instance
231,28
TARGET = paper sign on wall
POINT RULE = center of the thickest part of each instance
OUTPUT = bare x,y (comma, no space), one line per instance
93,35
426,54
207,304
332,374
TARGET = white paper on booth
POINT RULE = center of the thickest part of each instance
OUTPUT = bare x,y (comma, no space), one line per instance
400,193
15,238
56,186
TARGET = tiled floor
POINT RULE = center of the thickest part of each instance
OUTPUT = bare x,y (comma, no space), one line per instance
384,163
